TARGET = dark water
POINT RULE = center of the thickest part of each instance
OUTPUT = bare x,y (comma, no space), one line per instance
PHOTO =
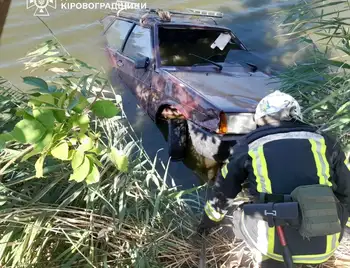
80,33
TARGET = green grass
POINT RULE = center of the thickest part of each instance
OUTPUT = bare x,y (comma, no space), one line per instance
133,219
321,81
127,219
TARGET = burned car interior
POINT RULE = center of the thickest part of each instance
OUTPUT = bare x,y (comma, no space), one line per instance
177,44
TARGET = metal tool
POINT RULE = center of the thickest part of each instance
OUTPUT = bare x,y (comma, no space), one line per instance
202,256
287,256
275,214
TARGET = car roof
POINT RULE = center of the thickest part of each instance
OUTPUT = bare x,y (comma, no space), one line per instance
151,17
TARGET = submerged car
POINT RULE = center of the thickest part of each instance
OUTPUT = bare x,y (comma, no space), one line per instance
185,69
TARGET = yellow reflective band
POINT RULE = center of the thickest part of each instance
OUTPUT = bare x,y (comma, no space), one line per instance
318,148
212,213
332,244
264,170
347,163
224,171
348,223
271,240
260,170
324,160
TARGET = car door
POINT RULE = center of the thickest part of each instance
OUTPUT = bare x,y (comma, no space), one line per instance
137,48
116,32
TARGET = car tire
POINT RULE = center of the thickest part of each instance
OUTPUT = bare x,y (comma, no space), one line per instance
177,139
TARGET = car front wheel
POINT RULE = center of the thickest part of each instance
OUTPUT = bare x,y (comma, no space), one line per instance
177,138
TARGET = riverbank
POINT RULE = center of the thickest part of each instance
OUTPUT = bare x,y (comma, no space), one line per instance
128,216
120,213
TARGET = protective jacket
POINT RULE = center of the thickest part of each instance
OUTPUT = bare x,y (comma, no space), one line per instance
276,160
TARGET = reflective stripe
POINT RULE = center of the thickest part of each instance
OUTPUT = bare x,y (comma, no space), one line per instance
347,163
212,213
348,223
282,136
224,171
267,248
265,242
271,239
260,170
318,148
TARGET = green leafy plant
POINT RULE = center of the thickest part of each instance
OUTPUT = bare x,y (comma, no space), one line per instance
54,117
56,123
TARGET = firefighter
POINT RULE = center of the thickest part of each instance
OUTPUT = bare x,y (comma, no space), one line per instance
282,154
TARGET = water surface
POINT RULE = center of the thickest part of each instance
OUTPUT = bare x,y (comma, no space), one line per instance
80,32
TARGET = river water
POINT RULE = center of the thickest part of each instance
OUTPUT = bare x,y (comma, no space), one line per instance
80,33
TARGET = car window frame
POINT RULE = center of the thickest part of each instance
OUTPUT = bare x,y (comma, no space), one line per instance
180,25
129,34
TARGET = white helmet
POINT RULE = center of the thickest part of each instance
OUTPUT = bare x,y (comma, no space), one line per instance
278,102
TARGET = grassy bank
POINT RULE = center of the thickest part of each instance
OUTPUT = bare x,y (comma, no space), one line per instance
120,212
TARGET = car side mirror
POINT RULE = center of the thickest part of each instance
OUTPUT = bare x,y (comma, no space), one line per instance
142,63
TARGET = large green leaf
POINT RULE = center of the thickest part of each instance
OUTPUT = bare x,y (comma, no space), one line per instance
78,103
39,146
44,98
86,143
94,159
104,109
59,115
37,82
45,141
83,103
39,165
94,175
44,116
28,131
61,151
99,149
80,120
82,171
119,159
78,159
62,100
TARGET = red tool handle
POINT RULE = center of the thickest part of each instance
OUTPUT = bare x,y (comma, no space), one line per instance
287,256
281,236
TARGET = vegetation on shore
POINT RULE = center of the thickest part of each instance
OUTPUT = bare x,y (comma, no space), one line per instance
78,190
113,211
321,81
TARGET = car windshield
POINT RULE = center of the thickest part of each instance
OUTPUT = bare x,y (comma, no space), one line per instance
177,46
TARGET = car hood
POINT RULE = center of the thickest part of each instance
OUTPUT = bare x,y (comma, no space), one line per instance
233,90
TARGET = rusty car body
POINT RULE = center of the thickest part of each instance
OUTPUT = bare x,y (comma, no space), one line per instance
170,64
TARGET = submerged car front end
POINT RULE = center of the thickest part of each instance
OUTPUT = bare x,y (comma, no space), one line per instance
223,81
234,93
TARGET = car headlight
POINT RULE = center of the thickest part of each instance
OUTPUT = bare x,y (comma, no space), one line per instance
239,123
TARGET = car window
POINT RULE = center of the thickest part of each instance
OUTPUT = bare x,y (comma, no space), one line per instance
116,34
177,45
139,43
